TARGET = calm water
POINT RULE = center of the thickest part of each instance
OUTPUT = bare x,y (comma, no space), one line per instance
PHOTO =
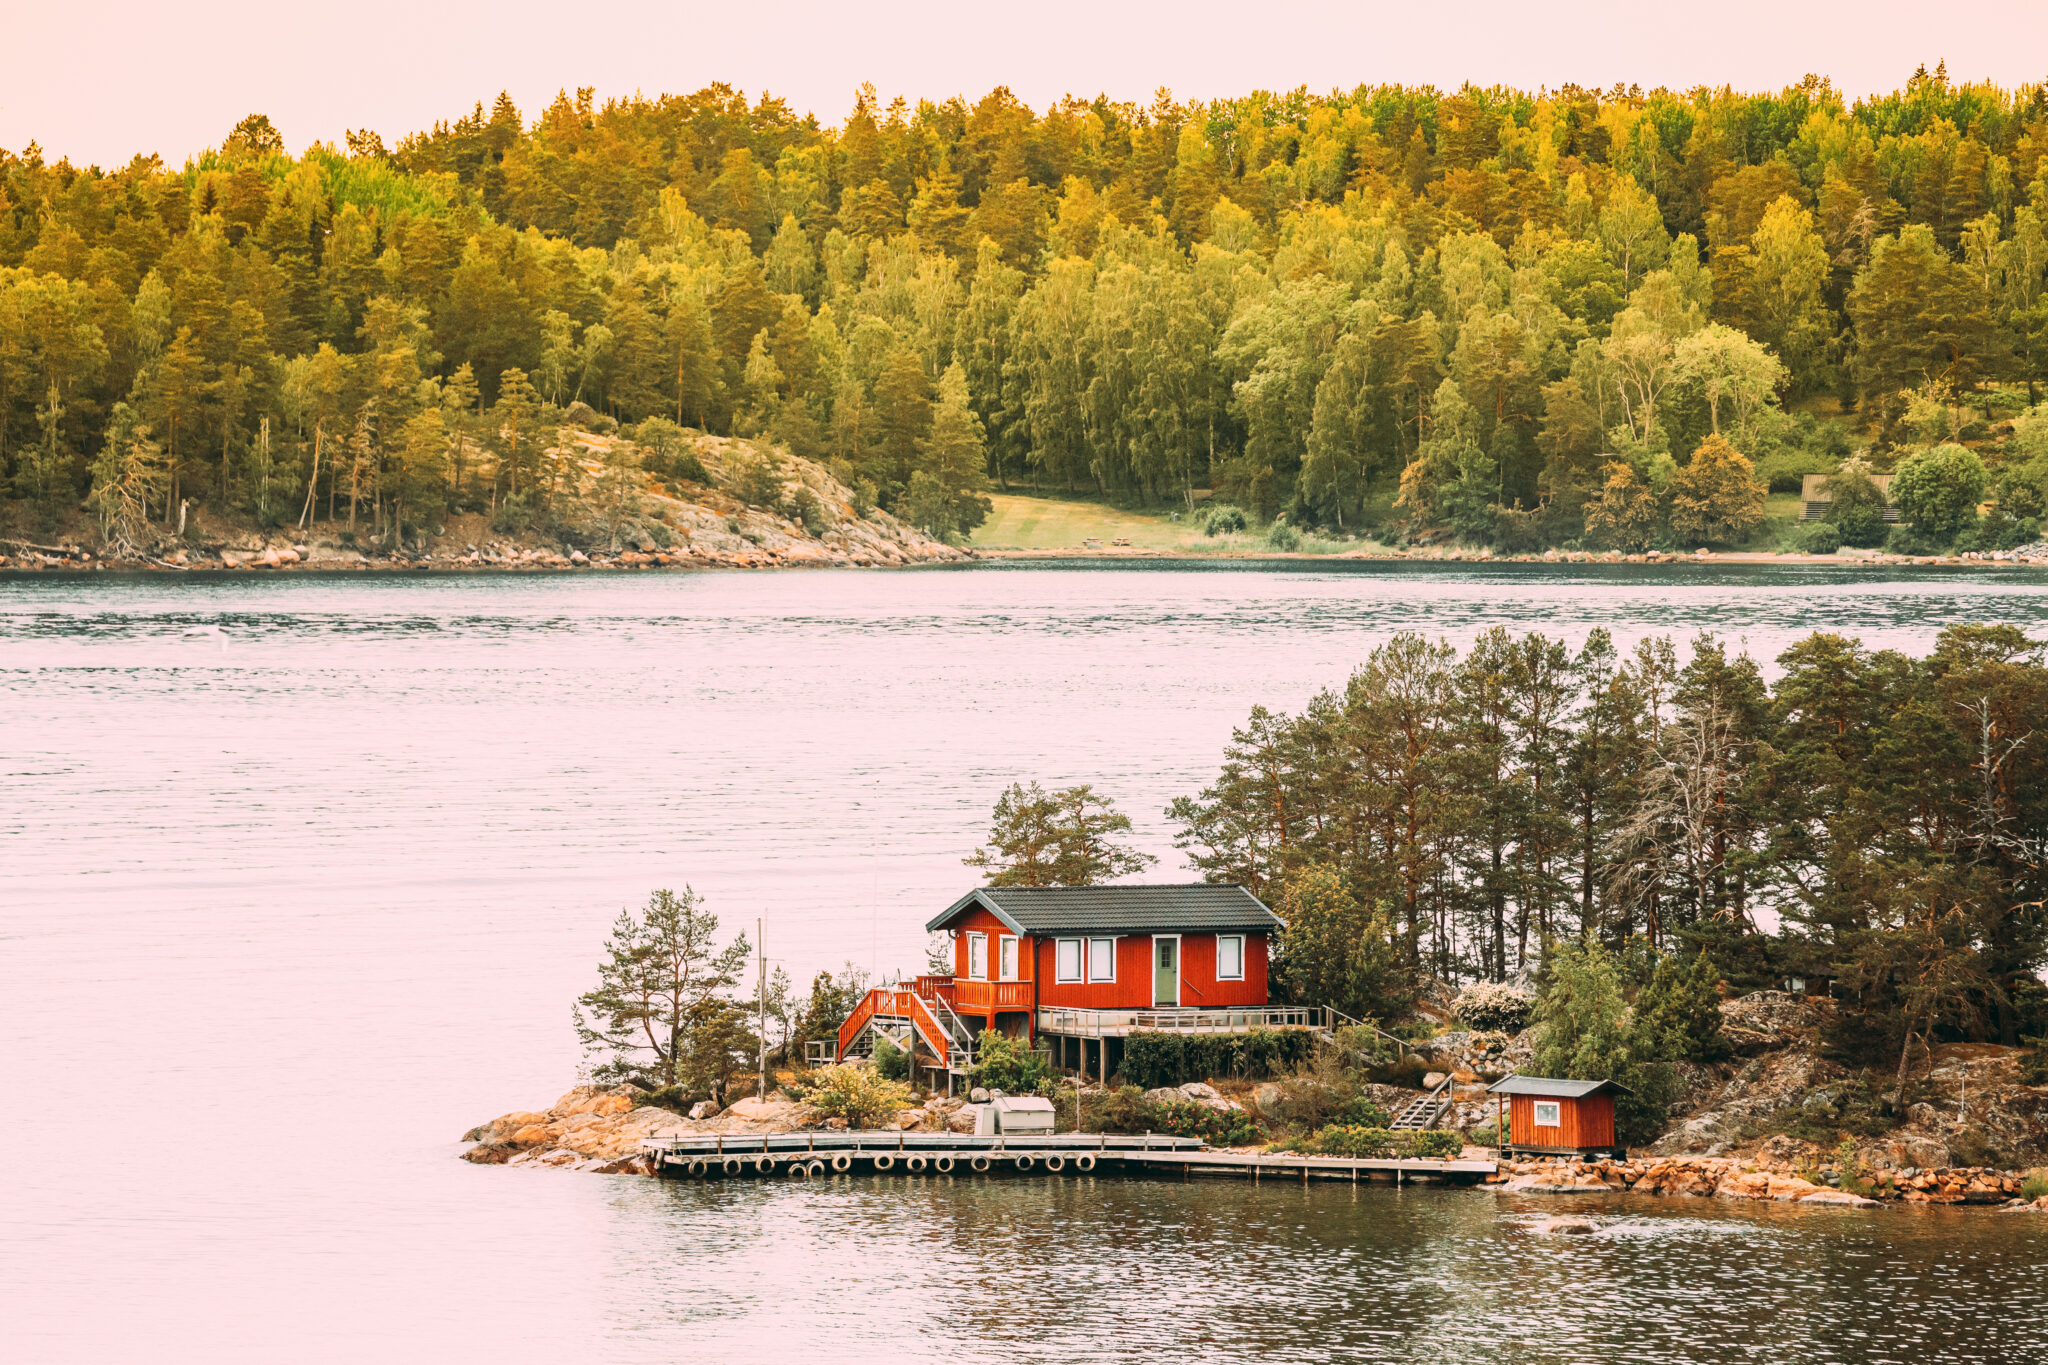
298,877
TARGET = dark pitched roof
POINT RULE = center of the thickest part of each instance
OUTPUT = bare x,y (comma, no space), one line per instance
1199,908
1551,1088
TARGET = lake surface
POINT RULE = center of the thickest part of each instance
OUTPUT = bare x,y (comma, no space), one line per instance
299,875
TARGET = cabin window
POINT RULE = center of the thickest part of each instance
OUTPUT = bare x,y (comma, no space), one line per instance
1006,957
1102,959
1547,1115
1230,957
1067,964
977,957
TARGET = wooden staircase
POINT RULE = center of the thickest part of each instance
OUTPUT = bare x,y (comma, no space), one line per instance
1426,1112
943,1033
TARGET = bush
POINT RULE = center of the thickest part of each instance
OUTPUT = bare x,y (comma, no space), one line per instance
1910,540
1222,519
859,1094
1359,1142
2035,1186
1494,1007
806,510
1217,1127
514,515
1938,490
1152,1060
1406,1072
891,1061
1819,538
1855,506
1009,1065
1283,537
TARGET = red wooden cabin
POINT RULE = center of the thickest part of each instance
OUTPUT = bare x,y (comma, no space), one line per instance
1088,963
1555,1117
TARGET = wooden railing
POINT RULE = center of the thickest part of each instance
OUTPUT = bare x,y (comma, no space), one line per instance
936,988
1222,1019
896,1003
992,995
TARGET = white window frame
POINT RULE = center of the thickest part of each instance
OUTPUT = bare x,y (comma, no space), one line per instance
1060,973
977,945
1110,979
1006,957
1222,939
1556,1110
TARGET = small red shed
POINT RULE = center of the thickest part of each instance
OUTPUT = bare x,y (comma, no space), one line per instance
1552,1117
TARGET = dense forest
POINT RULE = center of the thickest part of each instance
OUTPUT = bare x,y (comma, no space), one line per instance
1871,822
1574,316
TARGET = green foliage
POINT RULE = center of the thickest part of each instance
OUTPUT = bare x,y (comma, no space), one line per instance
662,1013
1678,1014
1367,1143
1938,491
1222,519
1820,538
1335,950
859,1094
1069,837
1584,1034
1153,1059
1283,537
513,515
2034,1186
1126,1110
891,1062
1009,1065
1856,506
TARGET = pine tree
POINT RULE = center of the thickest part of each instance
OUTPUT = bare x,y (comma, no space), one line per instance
662,1012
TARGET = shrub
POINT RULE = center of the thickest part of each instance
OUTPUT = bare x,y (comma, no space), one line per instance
859,1094
1405,1071
1217,1127
1494,1006
1283,537
2035,1186
1855,506
806,510
1152,1060
1009,1065
1819,538
1222,519
514,515
1938,490
891,1061
1910,540
1359,1142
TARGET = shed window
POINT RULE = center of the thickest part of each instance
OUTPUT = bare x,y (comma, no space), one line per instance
1067,966
1547,1115
1102,959
1006,957
977,957
1230,957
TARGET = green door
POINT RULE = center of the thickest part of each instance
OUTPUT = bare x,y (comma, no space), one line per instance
1165,971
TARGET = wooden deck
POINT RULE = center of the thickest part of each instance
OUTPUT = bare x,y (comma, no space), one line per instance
813,1155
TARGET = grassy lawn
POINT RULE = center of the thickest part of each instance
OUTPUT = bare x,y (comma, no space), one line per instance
1020,522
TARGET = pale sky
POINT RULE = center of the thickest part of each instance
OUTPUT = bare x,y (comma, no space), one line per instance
99,80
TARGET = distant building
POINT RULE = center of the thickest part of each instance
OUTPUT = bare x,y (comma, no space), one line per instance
1552,1117
1071,965
1814,496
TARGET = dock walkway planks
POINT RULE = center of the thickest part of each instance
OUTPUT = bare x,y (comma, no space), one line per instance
808,1155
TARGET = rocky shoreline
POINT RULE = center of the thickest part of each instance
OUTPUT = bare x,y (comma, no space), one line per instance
1728,1178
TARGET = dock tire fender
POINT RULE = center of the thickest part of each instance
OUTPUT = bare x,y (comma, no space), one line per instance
1084,1162
1055,1164
815,1171
978,1162
698,1165
885,1162
799,1171
942,1163
914,1164
1023,1162
764,1165
732,1165
841,1162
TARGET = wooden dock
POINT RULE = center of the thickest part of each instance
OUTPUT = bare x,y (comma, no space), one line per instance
813,1155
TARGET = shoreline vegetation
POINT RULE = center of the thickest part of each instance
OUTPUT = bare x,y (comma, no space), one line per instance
1798,922
1519,321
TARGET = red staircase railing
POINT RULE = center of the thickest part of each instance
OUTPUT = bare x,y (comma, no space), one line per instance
897,1003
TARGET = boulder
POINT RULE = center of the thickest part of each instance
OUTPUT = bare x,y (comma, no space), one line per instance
1564,1224
704,1109
1842,1197
587,1099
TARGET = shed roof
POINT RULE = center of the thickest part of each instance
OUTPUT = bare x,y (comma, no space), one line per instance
1551,1087
1199,907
